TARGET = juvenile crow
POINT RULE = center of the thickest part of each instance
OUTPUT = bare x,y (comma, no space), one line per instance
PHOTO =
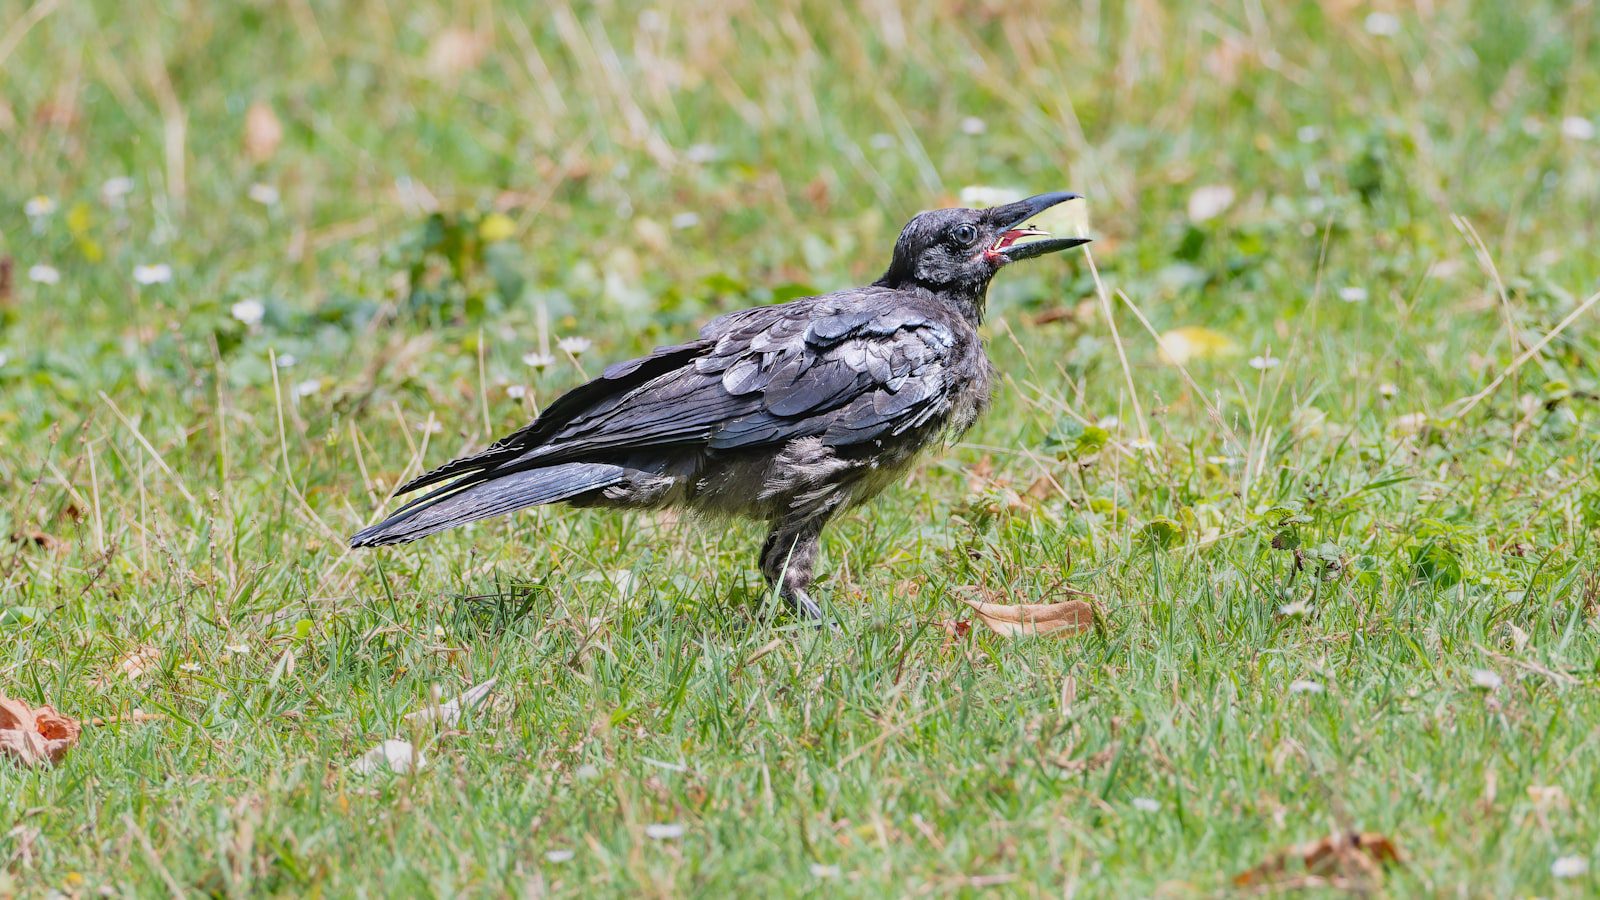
786,413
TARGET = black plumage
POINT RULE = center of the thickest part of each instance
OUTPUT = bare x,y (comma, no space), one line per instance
785,413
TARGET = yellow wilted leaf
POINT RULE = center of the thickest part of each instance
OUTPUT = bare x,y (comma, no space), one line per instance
1065,618
262,132
1180,345
496,227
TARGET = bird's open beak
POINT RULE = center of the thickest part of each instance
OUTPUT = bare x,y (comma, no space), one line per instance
1011,219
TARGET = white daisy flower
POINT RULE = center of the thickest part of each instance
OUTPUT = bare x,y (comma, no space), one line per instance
1143,444
558,856
1387,390
115,189
1351,293
1577,128
1305,686
1486,679
1210,201
1569,867
700,154
668,831
516,391
685,220
264,194
249,311
574,345
973,125
1383,24
539,361
155,273
308,387
285,360
1264,362
1145,804
1295,609
43,274
190,667
39,207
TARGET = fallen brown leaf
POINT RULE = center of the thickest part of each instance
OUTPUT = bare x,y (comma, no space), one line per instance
42,540
262,132
1342,858
1065,618
34,736
456,50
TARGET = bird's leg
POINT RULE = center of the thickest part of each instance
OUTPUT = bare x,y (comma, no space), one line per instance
788,559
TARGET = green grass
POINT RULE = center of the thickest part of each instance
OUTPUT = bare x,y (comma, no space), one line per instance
1340,518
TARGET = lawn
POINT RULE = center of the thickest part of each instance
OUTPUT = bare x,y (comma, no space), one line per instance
262,262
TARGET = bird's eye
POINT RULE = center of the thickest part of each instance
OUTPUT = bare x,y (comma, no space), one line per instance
964,234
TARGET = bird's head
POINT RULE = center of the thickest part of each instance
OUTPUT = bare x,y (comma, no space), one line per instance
959,250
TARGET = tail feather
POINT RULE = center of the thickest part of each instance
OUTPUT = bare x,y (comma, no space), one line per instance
449,507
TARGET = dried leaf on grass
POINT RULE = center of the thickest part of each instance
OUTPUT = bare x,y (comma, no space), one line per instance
262,132
41,539
1340,859
449,712
1061,619
394,756
35,736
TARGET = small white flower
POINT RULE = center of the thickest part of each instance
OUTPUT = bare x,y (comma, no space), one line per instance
1577,128
539,361
881,141
264,194
115,189
1308,134
430,426
973,125
285,360
44,274
1295,609
1210,201
1351,293
1144,444
516,391
308,387
1264,362
700,154
818,870
155,273
190,667
1145,804
685,220
1569,867
587,772
39,207
663,831
1485,679
574,345
1387,390
249,311
1222,460
237,649
1305,686
558,856
1383,24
